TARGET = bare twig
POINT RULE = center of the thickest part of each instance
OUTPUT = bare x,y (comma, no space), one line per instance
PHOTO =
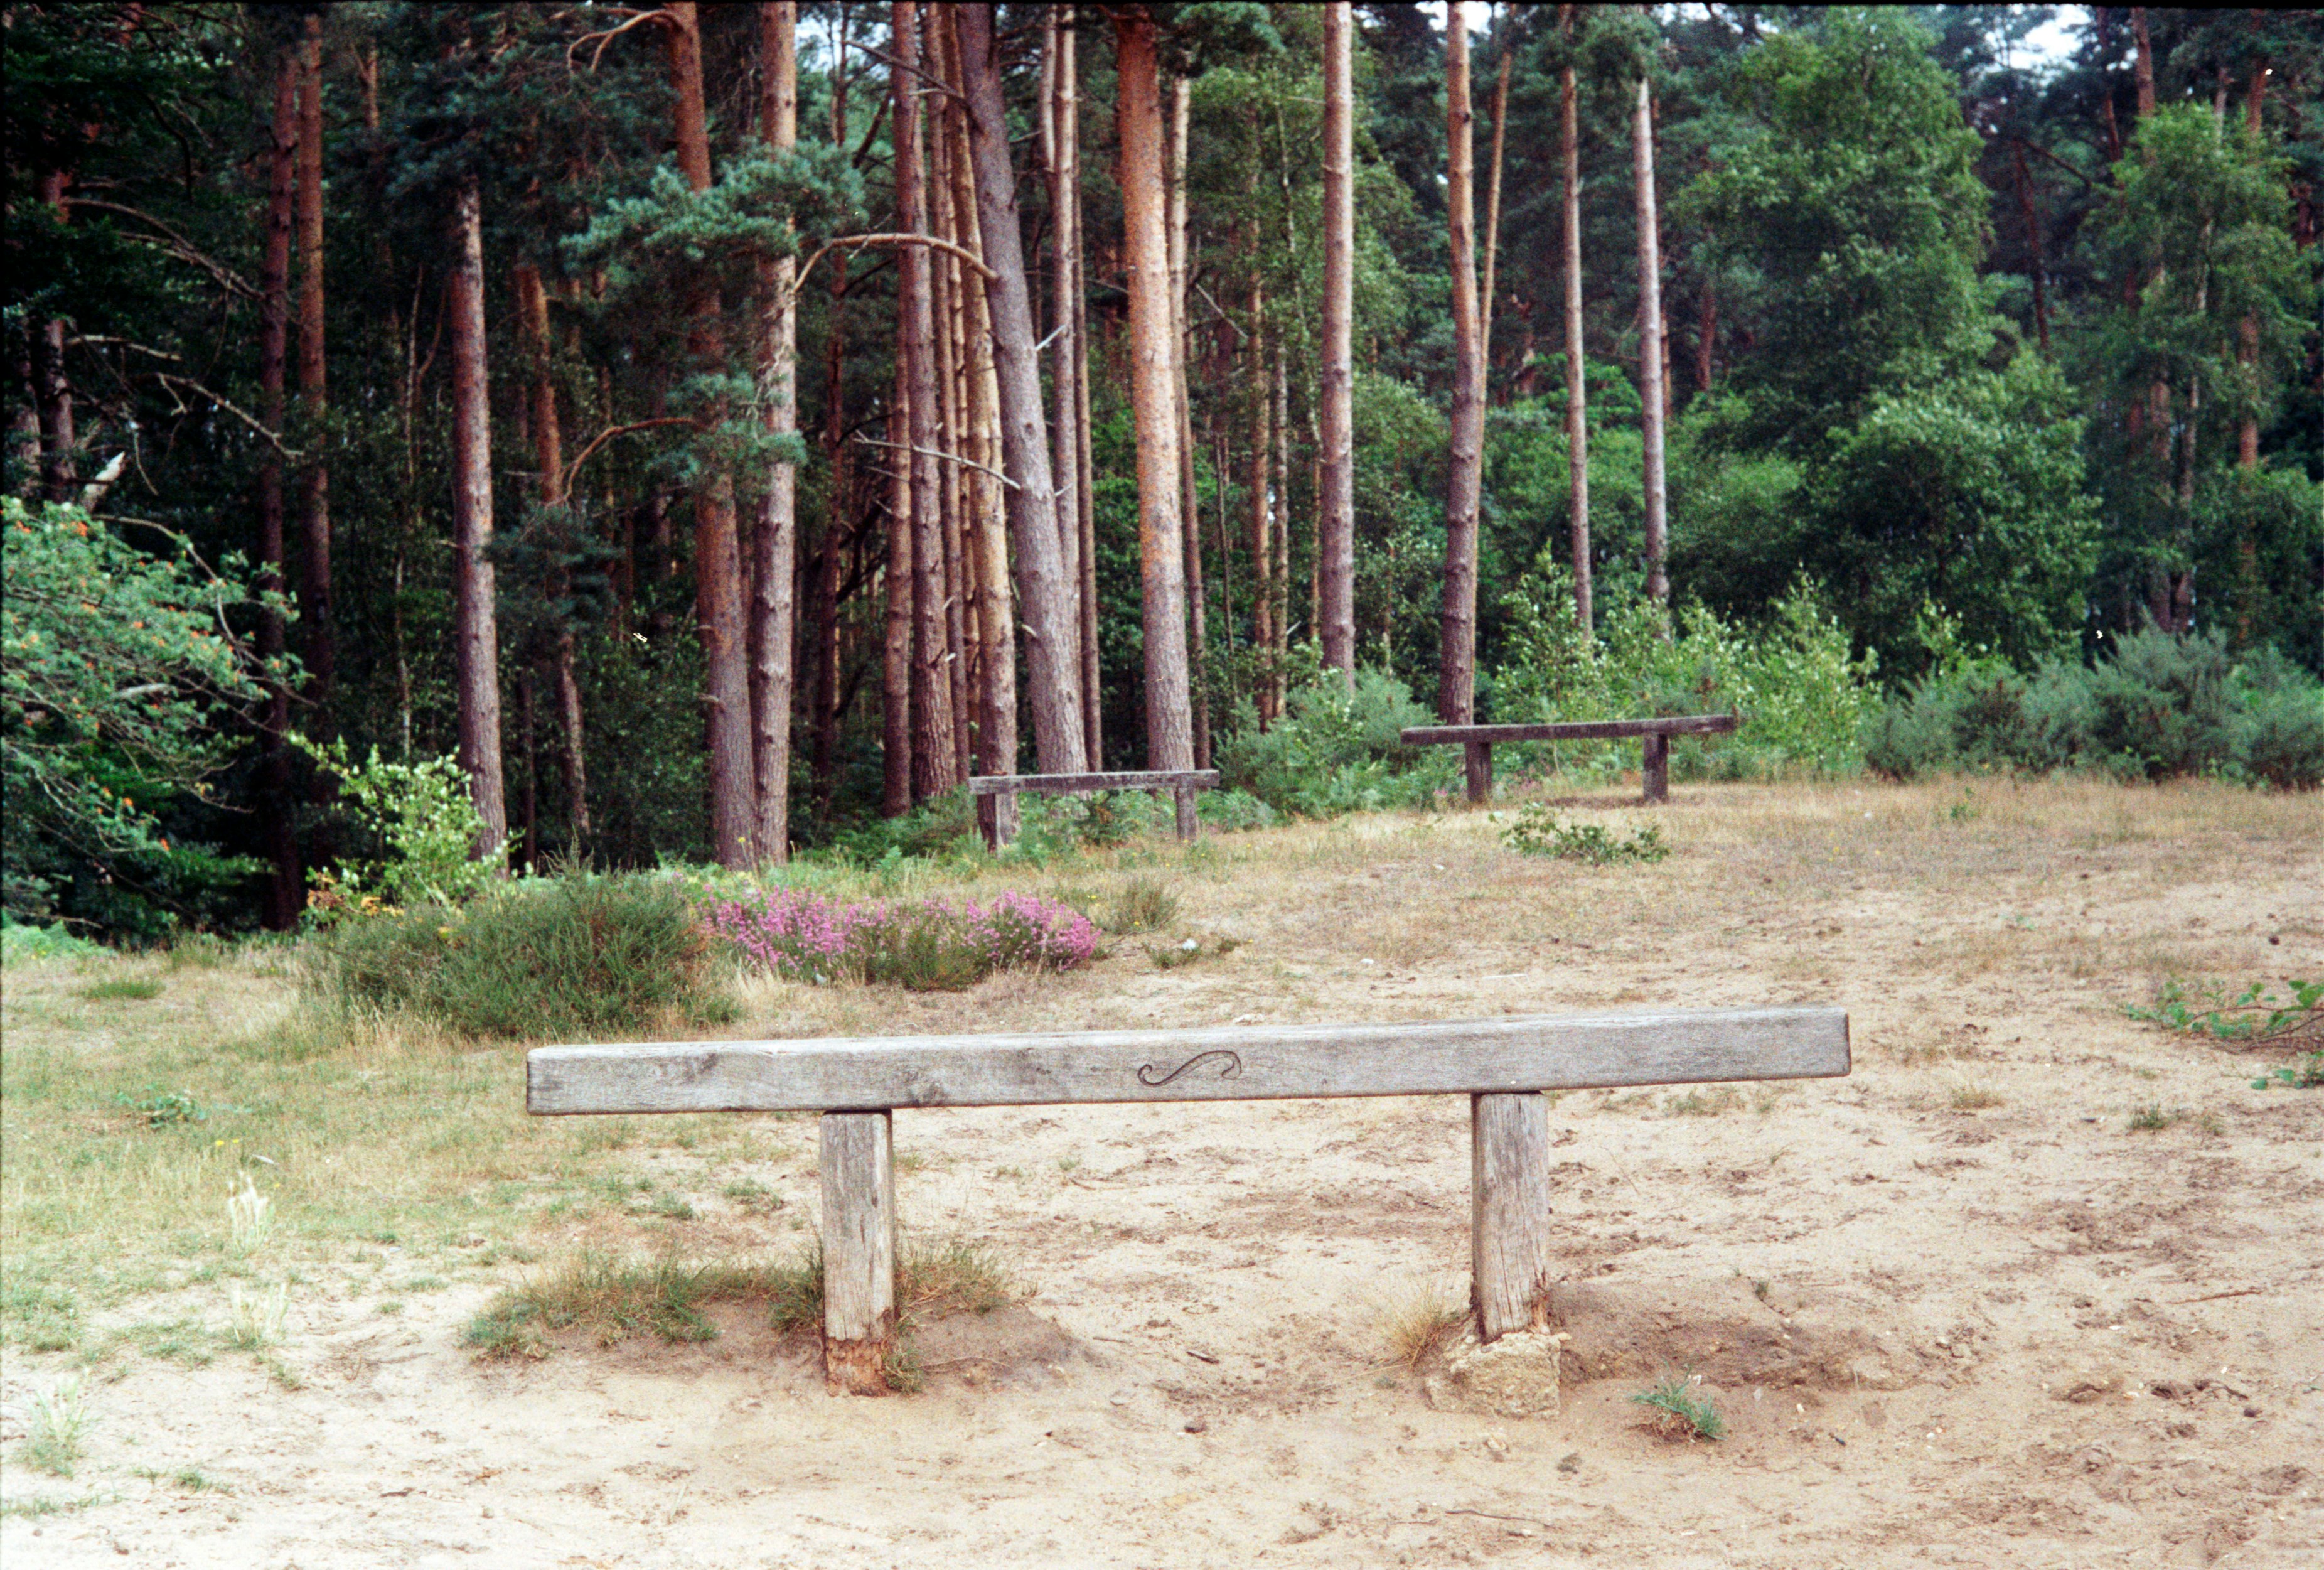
659,16
943,456
172,242
608,434
851,241
252,421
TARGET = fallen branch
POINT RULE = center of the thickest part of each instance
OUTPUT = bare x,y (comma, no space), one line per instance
252,421
608,434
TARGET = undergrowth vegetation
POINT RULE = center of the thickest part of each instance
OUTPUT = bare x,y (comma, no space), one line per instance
935,945
1537,832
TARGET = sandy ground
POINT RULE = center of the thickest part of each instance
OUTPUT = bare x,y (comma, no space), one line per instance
2021,1334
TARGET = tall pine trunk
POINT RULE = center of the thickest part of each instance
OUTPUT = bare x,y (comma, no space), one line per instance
1493,207
896,729
1262,467
933,740
1169,717
1335,534
1651,399
51,388
1085,479
839,511
1190,523
1576,368
548,457
1456,692
284,898
1052,642
314,482
775,540
1060,133
718,564
475,636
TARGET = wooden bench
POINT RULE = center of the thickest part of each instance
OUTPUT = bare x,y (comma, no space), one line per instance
999,825
1656,734
1500,1064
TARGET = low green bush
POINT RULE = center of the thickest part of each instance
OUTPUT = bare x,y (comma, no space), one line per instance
2163,706
1334,750
1801,697
542,958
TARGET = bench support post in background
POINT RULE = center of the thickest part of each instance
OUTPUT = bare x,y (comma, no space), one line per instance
1655,770
1184,795
996,818
859,1250
1479,766
1509,1235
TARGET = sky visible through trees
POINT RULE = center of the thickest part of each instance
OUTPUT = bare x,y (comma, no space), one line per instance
720,426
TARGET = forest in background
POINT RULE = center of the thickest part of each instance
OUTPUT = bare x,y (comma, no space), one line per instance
716,429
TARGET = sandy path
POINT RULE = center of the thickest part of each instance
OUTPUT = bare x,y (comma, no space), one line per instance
2021,1334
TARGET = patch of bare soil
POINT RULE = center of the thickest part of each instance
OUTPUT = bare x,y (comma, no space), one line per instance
1954,1309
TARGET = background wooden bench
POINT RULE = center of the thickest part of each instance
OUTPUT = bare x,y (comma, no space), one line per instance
1656,734
999,825
1500,1064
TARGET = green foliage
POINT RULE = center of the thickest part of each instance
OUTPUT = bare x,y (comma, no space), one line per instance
2257,1013
1680,1412
425,820
21,944
1538,832
1799,695
2160,706
161,1107
2305,1073
569,956
1335,751
118,672
1853,201
1144,905
123,989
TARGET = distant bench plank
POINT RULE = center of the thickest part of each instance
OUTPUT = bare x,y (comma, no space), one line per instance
1500,1064
1655,735
1460,1057
1000,825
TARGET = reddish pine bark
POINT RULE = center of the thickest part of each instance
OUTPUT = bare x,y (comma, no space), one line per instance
315,481
775,540
717,566
1652,400
1457,677
475,637
1169,717
284,895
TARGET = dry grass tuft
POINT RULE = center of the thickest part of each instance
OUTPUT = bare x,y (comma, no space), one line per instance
1418,1318
1974,1095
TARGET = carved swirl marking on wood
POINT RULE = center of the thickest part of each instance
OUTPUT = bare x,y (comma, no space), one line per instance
1232,1066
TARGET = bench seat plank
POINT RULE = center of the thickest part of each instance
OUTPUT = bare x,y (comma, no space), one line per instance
1693,725
1537,1052
1076,784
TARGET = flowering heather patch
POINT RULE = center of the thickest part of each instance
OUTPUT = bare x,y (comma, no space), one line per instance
926,945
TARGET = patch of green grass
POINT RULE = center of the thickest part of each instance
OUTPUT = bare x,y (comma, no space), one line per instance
59,1422
1538,832
122,990
752,1195
40,1315
1191,950
191,1478
2152,1116
161,1107
1144,905
1696,1103
1679,1413
43,1505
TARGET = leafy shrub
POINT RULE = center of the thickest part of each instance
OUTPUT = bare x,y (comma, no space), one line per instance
931,944
1334,750
1803,700
427,828
1538,832
576,954
2163,706
21,944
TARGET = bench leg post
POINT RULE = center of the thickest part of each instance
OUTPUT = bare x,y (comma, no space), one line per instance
996,820
1187,827
1656,768
859,1250
1509,1238
1478,764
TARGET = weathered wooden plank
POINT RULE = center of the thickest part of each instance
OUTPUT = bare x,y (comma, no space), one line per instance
1477,770
1693,724
1077,784
1188,825
1511,1259
1534,1052
856,1158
